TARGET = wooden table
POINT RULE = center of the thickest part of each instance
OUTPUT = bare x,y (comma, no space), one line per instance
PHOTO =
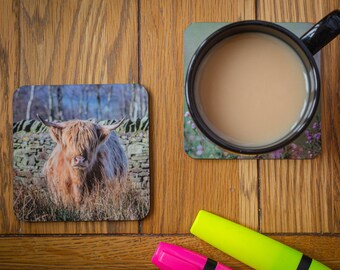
141,41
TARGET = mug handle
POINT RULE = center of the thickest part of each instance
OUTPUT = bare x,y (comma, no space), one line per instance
322,32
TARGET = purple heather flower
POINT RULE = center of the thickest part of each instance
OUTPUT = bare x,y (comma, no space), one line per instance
186,114
199,147
276,154
308,136
295,151
310,154
199,152
193,126
293,146
317,136
316,125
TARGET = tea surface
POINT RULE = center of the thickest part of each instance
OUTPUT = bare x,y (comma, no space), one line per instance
252,88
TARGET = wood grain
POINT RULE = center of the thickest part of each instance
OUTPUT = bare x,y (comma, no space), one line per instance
60,42
120,252
9,79
180,185
68,42
78,42
304,196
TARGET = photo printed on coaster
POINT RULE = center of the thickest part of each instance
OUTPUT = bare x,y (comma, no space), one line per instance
81,152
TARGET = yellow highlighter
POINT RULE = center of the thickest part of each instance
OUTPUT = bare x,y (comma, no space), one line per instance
250,247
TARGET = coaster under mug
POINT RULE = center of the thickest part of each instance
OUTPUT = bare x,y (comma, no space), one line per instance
196,145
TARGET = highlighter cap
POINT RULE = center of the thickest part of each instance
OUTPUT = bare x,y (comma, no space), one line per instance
171,257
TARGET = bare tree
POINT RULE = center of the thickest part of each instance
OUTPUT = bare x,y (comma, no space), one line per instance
29,104
50,104
136,103
109,96
59,104
71,114
86,92
81,103
99,107
122,103
142,104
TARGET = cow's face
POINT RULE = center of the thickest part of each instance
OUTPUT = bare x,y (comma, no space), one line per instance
79,141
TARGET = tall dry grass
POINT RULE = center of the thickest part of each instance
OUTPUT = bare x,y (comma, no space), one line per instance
121,201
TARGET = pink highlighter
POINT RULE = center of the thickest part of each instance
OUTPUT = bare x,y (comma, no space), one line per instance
171,257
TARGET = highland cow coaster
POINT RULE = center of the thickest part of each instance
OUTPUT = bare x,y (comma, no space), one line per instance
81,152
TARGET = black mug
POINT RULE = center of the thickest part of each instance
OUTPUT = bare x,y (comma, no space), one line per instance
305,47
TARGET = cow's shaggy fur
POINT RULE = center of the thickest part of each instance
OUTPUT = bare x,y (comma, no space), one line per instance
105,160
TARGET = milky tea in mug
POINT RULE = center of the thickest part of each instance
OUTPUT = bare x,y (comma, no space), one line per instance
251,89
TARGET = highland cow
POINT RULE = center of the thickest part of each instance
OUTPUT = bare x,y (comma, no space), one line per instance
86,155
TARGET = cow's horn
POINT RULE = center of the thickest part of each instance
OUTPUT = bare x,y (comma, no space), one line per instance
49,124
115,125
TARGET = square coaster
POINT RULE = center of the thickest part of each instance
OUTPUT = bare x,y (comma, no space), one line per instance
81,152
196,145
